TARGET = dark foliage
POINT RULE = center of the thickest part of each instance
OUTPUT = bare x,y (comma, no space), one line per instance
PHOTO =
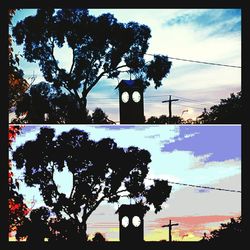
228,232
229,111
17,84
100,171
163,119
17,208
98,238
35,228
45,104
99,117
101,46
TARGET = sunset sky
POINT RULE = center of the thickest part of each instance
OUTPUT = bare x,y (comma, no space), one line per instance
197,155
210,35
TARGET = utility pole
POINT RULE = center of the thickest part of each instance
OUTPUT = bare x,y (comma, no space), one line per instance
170,105
170,229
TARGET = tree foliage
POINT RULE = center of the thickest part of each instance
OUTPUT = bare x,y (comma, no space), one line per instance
35,228
228,232
17,84
43,99
229,110
101,46
17,208
100,170
99,117
163,119
98,238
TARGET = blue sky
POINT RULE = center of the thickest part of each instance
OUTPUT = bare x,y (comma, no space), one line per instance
198,155
211,35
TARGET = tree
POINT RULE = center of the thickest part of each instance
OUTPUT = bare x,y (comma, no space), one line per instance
228,232
64,229
163,119
99,170
43,103
17,84
36,229
17,208
101,46
98,238
99,117
229,110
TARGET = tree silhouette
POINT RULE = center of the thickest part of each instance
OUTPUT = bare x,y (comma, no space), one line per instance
163,119
228,232
43,99
99,170
17,84
36,228
101,46
98,238
229,110
64,229
17,208
99,117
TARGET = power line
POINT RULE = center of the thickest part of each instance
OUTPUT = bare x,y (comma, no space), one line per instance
210,63
184,99
188,106
191,100
175,58
201,62
205,187
200,186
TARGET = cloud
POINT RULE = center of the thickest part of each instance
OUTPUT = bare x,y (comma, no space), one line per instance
219,21
187,201
180,164
221,142
190,228
212,35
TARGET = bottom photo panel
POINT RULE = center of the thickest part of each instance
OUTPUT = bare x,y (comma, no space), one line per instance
121,184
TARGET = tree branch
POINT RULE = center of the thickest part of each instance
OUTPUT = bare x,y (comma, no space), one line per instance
124,190
100,76
52,54
73,62
95,206
72,190
89,71
65,86
99,202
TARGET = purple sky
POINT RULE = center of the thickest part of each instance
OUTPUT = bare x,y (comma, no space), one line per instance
223,143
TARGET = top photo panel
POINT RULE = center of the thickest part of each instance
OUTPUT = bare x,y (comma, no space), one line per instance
125,66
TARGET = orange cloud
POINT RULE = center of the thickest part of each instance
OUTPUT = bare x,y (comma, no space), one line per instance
190,228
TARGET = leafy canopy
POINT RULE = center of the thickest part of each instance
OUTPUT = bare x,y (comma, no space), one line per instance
101,46
100,170
17,208
17,84
229,110
59,107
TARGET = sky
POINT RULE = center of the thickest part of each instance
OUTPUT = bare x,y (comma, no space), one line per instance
209,35
208,155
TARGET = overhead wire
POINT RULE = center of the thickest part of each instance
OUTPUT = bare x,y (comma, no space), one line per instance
197,61
200,186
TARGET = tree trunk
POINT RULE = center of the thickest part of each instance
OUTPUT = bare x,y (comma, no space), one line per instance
83,110
84,230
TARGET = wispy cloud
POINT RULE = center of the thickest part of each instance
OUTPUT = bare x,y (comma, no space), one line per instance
218,22
190,228
212,35
215,142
